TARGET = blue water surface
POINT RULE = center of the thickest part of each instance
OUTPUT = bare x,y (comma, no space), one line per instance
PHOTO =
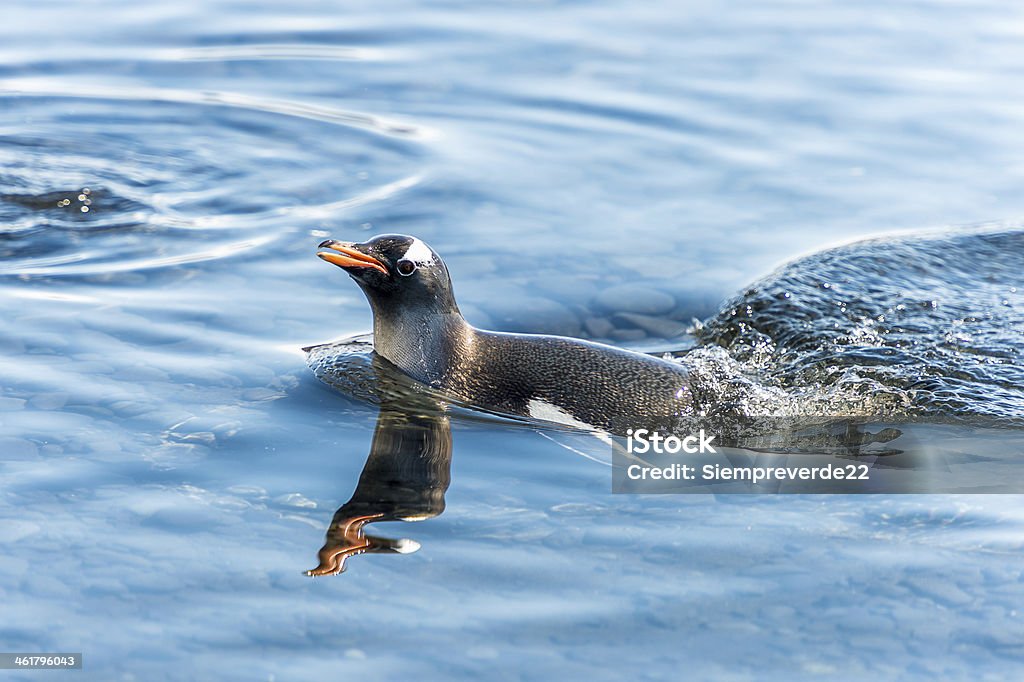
169,465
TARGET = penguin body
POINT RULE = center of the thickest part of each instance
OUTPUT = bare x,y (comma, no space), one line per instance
418,328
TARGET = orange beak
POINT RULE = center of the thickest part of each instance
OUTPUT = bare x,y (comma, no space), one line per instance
349,257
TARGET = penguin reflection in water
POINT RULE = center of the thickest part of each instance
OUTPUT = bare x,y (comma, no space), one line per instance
418,328
405,478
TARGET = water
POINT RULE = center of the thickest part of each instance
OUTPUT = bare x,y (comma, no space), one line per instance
926,326
170,466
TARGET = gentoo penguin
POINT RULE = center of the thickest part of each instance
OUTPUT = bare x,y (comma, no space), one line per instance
417,326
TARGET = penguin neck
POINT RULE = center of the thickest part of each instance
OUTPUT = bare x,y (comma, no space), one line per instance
422,343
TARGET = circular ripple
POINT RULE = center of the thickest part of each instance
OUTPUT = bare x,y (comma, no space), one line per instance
104,182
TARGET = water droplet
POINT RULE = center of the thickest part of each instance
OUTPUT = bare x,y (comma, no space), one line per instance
81,197
85,209
86,190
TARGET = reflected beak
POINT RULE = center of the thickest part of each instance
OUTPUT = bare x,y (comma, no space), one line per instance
348,257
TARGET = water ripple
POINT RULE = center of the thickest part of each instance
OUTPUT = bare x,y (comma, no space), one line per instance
269,51
44,87
115,179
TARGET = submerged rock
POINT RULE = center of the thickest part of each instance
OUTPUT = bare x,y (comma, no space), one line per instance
598,327
535,315
628,335
634,298
660,327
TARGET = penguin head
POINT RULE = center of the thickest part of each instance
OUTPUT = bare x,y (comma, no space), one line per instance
396,272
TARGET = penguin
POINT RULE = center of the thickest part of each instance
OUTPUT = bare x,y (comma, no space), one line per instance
418,328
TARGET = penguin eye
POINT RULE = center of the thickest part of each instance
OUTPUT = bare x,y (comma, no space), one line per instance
405,267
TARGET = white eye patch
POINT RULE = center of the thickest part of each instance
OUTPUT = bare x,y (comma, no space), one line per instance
419,253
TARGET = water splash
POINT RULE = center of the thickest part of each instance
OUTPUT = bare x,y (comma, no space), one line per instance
925,326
